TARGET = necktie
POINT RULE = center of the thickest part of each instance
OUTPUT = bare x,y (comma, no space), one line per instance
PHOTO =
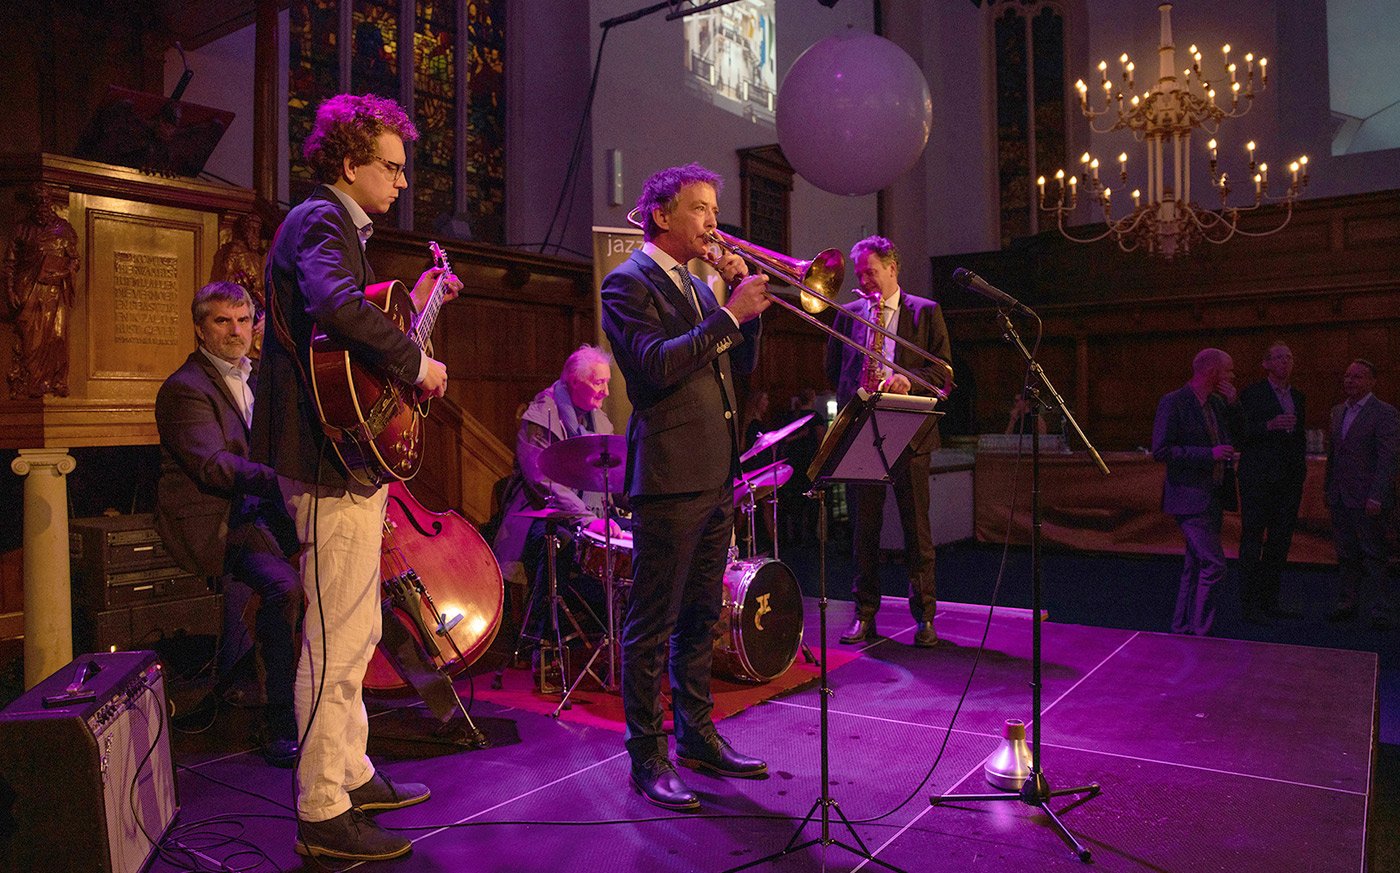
687,287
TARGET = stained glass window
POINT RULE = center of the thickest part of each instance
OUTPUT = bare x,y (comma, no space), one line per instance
1031,125
371,47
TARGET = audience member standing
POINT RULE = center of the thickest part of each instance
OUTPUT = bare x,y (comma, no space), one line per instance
1273,465
1192,435
1360,494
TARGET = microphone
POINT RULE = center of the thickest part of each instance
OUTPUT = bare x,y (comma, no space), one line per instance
973,282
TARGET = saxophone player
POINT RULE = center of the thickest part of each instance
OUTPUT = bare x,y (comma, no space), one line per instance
918,320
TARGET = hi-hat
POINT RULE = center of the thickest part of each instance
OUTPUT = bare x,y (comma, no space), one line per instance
583,462
761,482
768,440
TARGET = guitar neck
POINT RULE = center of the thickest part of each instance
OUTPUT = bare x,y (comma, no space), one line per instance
423,327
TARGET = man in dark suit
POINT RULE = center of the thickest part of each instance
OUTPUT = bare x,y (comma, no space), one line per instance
1192,436
1360,489
316,275
920,321
678,350
1273,465
220,513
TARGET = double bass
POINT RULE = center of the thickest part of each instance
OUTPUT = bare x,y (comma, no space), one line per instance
440,574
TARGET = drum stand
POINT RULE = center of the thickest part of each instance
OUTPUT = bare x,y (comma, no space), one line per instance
609,641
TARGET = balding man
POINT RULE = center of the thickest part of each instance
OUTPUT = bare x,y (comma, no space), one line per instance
1192,436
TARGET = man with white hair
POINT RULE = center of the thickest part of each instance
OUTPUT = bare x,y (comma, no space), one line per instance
1192,435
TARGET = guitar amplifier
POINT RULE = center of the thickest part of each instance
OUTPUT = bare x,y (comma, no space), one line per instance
85,768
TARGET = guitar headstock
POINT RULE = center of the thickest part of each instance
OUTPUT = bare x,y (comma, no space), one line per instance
439,257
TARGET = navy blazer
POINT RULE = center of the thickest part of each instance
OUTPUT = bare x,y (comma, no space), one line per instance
316,275
1362,466
208,486
679,367
1271,455
1181,440
920,322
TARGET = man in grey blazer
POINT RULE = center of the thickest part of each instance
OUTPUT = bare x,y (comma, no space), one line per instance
1192,435
678,351
1360,494
220,513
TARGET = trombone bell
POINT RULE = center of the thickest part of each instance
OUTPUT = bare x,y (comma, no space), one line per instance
818,278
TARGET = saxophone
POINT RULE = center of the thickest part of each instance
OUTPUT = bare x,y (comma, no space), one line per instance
872,372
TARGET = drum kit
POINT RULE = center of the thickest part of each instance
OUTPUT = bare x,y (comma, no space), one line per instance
759,633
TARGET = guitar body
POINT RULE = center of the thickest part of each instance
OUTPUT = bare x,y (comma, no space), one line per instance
374,420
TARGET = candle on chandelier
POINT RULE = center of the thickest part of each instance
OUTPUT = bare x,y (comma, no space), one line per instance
1211,94
1137,198
1094,169
1073,187
1258,184
1060,180
1231,70
1211,145
1083,93
1040,183
1123,165
1131,67
1293,168
1263,71
1103,71
1106,196
1223,183
1250,146
1234,93
1264,174
1303,162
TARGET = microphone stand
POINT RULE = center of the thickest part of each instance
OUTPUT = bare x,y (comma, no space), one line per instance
1036,791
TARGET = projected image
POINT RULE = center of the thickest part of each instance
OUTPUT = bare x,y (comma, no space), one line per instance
729,56
1361,40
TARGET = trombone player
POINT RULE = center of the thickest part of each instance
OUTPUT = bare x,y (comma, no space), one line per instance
919,322
679,351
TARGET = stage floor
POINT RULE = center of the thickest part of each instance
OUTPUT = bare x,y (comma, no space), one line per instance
1212,754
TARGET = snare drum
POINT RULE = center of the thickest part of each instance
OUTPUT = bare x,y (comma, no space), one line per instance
592,555
760,627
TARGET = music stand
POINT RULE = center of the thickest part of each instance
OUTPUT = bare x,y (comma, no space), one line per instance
870,436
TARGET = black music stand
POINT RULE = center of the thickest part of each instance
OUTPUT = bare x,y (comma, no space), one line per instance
869,437
1036,791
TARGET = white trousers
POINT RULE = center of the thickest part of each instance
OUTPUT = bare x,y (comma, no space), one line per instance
340,575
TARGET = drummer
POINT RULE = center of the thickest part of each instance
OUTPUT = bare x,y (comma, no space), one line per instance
571,407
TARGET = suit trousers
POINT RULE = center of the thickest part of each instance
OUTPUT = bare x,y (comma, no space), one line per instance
680,549
911,484
1203,568
340,576
1268,514
255,559
1361,557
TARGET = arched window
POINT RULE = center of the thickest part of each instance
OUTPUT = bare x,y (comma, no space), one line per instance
1030,83
441,59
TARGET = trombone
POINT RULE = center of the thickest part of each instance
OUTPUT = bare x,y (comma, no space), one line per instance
818,282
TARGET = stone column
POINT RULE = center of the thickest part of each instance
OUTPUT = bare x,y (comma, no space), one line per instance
48,603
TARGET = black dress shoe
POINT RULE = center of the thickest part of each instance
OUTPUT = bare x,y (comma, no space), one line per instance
925,637
350,836
656,780
1342,613
719,757
379,793
861,629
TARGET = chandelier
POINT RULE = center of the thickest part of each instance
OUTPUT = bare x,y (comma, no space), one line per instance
1166,222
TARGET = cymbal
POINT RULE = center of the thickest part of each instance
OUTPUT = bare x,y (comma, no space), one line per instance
768,440
761,482
583,462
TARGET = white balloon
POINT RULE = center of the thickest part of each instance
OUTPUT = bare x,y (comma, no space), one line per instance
854,113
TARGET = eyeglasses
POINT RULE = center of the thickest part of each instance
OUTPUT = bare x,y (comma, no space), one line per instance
396,169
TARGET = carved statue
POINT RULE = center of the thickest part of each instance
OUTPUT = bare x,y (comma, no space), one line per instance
40,266
240,261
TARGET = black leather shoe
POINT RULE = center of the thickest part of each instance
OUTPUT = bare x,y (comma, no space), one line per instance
350,836
281,752
861,629
926,637
1343,613
719,757
656,780
379,793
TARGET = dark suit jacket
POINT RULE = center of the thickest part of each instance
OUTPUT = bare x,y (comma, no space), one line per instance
920,322
1362,466
207,483
1181,440
683,434
316,274
1271,455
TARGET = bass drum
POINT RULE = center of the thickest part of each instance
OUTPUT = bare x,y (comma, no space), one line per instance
760,627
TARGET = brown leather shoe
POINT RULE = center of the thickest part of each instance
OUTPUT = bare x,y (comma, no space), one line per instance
717,756
925,637
379,793
350,836
861,629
